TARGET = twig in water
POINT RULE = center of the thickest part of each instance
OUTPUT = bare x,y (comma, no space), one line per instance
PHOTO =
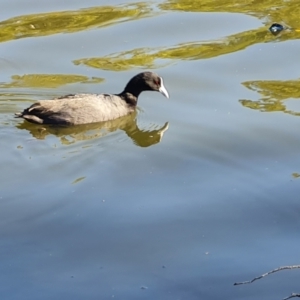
292,296
270,272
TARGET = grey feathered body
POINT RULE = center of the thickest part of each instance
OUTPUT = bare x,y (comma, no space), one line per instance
92,108
77,109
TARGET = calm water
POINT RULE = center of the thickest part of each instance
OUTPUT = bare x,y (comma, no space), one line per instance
178,201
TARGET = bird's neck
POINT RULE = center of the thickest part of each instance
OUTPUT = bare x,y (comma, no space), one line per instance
130,97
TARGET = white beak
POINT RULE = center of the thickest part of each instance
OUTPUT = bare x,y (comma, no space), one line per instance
162,88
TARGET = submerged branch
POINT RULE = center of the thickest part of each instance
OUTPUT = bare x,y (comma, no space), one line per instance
268,273
292,296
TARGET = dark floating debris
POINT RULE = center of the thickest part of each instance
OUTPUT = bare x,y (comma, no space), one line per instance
276,28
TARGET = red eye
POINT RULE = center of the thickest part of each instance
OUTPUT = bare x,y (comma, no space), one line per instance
157,82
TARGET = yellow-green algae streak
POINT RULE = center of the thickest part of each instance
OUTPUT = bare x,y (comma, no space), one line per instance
146,57
78,180
274,94
44,24
287,11
47,80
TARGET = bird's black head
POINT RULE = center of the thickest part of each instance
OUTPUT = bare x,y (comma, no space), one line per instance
146,81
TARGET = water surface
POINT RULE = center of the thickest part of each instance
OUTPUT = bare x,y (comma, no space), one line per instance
178,201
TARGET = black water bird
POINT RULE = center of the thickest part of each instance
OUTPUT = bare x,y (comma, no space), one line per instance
91,108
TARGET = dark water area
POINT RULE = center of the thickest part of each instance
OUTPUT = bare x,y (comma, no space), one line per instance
178,201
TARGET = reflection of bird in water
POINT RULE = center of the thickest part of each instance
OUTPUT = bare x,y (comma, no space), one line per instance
145,138
92,108
73,134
